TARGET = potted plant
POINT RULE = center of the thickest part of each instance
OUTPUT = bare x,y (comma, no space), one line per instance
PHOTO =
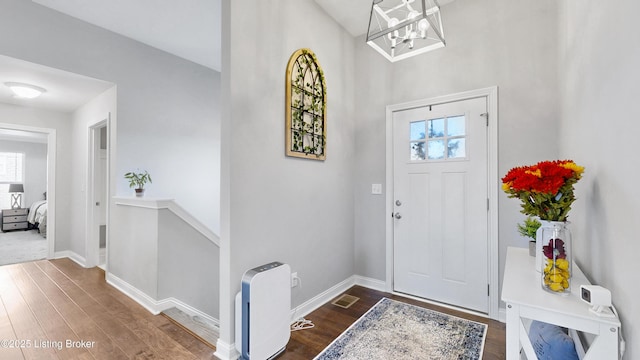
528,229
138,180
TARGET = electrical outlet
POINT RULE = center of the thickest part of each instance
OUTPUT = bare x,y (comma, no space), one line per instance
295,280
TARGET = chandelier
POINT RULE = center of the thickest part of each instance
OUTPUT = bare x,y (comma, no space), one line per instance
399,29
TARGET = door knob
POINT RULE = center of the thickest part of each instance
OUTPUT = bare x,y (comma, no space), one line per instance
398,202
397,216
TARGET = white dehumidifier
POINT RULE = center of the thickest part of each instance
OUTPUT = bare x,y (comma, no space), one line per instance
263,312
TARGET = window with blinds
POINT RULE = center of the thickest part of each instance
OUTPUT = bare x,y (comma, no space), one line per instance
11,172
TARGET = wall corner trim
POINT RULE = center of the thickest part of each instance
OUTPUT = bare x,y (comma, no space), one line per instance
225,351
371,283
171,205
72,256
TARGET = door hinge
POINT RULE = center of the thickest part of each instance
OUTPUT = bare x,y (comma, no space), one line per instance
488,292
487,204
486,116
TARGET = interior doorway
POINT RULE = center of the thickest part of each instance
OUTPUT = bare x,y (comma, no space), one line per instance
36,201
98,193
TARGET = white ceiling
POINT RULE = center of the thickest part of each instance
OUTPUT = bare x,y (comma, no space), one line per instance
189,29
65,91
353,15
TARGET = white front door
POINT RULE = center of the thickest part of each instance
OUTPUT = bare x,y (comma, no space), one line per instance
440,203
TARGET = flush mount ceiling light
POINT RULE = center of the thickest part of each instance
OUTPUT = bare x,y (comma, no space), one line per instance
399,29
25,91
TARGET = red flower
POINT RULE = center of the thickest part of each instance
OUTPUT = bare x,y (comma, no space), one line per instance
544,177
545,189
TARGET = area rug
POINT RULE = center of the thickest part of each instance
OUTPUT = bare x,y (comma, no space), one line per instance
395,330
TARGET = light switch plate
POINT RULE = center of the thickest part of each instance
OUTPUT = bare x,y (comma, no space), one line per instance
376,189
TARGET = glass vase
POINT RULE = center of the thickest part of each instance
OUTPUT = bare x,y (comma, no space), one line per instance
556,256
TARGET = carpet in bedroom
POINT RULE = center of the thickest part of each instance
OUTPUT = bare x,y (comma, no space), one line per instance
22,246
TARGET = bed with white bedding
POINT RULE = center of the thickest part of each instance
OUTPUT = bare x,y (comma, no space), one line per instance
37,217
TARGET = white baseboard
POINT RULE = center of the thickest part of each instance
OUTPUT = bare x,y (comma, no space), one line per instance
225,351
131,291
71,255
371,283
502,315
157,306
310,305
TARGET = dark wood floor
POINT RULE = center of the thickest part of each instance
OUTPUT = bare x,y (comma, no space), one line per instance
330,321
43,304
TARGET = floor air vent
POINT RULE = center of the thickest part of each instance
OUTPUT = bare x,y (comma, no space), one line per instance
345,301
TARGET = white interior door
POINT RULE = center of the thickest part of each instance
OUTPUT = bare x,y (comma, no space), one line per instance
440,203
101,187
98,194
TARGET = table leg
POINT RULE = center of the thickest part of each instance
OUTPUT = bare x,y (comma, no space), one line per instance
605,345
513,332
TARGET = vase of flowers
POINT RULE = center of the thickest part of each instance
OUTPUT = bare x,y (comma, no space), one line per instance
545,190
556,257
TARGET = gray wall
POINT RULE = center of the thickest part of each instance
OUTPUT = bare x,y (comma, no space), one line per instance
374,77
600,53
168,115
509,44
287,209
188,265
35,177
133,247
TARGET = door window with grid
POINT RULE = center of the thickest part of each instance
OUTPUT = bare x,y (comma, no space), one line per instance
11,172
438,139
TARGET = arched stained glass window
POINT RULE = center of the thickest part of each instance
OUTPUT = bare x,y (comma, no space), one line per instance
305,107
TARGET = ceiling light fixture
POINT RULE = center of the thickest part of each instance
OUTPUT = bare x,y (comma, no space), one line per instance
25,91
399,29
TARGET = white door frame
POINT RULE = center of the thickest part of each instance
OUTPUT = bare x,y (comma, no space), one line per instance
51,180
491,94
92,245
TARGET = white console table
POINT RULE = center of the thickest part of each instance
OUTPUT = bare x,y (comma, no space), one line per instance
525,299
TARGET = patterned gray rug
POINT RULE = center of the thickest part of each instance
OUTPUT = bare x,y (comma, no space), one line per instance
395,330
21,246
